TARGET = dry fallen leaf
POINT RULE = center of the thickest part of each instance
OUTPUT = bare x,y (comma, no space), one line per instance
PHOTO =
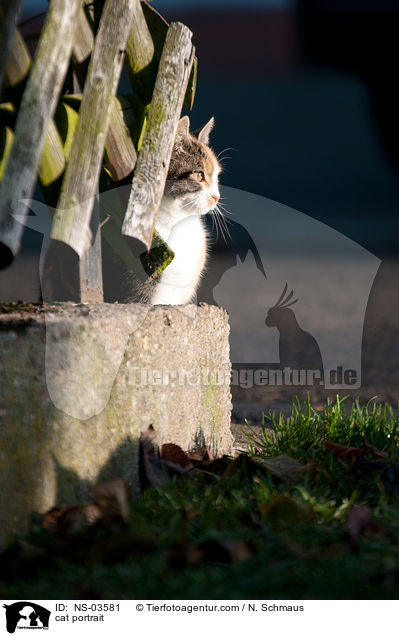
286,468
341,451
202,455
295,547
226,551
173,453
51,519
390,478
122,546
240,463
112,498
286,509
150,468
147,437
91,513
373,449
362,468
357,519
153,469
182,554
63,519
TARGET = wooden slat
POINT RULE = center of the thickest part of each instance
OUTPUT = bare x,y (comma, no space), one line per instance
52,163
9,11
154,156
90,264
71,223
37,107
18,61
158,27
84,39
120,152
140,61
6,139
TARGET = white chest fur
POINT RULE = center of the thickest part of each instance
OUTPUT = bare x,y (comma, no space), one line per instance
179,281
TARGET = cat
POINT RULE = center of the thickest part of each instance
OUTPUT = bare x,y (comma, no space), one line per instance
191,191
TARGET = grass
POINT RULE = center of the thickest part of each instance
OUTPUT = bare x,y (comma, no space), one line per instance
303,432
303,436
233,530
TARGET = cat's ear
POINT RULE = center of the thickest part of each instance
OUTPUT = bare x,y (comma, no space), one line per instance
183,128
203,133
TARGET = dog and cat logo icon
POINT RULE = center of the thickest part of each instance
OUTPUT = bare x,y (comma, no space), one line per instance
26,615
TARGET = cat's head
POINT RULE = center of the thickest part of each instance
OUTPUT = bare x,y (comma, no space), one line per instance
193,169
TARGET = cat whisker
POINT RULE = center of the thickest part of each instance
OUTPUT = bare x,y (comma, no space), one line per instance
225,210
225,150
224,229
225,223
224,213
215,225
222,216
188,204
222,164
218,226
222,221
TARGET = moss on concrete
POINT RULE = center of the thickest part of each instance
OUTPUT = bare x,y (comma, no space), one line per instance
82,359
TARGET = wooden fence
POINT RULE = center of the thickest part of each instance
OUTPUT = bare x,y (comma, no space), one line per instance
62,122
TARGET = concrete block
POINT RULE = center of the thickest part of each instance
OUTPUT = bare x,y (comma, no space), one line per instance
79,383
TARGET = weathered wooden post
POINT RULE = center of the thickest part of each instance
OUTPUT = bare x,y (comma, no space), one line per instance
37,107
120,152
71,224
18,61
52,163
141,63
153,160
9,10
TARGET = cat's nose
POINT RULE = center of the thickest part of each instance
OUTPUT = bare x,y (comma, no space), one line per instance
216,197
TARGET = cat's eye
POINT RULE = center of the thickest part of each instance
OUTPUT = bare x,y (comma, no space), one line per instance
199,175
